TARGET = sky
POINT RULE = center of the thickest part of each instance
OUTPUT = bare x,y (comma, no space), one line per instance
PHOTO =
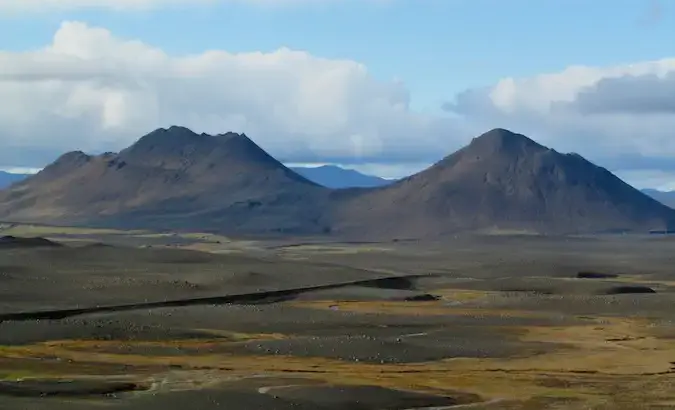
384,86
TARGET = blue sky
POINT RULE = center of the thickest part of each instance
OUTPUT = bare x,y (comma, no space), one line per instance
438,47
428,50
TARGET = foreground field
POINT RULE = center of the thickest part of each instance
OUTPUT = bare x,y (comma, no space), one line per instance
484,322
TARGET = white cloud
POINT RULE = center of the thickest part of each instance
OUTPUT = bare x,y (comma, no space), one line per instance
601,112
92,91
20,170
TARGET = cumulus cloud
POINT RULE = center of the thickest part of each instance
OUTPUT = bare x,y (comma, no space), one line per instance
93,91
614,115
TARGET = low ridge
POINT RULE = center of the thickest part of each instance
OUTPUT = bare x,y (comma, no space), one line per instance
176,179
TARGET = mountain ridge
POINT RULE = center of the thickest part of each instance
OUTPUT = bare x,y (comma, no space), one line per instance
506,181
176,179
169,178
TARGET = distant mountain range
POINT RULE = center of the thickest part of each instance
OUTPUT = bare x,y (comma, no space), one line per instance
7,179
332,176
665,197
176,179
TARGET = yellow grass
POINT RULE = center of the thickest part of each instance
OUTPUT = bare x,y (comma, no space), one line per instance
42,230
597,360
608,363
432,308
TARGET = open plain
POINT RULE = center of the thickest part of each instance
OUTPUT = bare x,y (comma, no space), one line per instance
143,320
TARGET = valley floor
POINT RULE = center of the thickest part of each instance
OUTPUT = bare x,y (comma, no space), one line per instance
140,320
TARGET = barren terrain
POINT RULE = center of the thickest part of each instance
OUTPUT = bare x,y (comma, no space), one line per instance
145,320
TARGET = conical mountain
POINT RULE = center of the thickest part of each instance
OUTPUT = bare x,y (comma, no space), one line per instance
503,181
171,178
176,179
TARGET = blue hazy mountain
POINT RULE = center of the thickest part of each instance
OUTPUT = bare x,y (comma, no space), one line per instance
328,175
7,179
332,176
665,197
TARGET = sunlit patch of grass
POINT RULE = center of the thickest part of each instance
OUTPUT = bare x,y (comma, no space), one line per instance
609,360
508,232
208,237
411,308
243,337
29,364
222,338
44,230
633,279
630,279
463,295
332,249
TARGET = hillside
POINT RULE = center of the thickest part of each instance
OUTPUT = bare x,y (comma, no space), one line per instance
503,181
171,178
176,179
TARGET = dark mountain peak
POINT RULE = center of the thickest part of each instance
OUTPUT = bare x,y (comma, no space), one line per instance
174,130
231,134
166,143
74,156
73,159
182,141
503,140
179,149
167,136
497,145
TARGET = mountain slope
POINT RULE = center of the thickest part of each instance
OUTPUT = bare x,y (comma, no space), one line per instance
171,178
332,176
176,179
504,181
7,179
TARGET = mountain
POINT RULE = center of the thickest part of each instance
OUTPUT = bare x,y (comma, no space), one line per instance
332,176
171,178
7,179
502,181
665,197
176,179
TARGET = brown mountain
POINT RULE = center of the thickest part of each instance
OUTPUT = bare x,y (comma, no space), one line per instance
176,179
503,181
171,178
